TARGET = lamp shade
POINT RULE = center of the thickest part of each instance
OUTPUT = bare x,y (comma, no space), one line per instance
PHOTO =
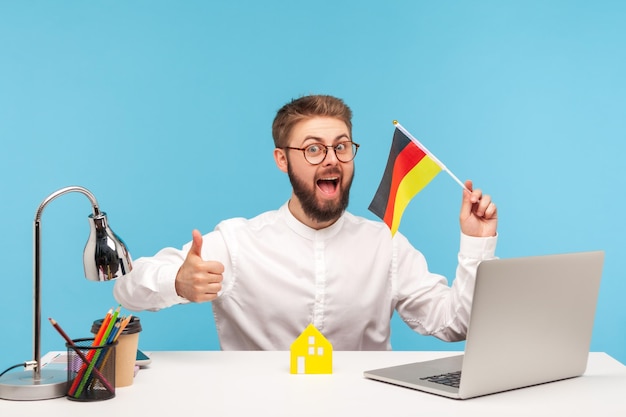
106,256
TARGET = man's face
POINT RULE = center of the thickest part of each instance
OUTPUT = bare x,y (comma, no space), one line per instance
322,190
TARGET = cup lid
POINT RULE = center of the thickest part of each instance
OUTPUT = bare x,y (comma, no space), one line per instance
133,326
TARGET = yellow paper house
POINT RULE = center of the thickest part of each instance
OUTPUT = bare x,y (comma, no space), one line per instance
311,353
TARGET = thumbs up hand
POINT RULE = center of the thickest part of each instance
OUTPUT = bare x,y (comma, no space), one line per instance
198,280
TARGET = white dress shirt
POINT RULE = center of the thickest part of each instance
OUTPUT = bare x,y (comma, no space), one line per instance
346,279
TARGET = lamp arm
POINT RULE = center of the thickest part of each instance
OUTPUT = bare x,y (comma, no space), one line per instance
37,266
58,193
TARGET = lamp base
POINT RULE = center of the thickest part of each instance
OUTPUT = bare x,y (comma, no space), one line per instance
22,387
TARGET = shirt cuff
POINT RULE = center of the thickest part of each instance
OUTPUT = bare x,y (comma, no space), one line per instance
167,285
480,248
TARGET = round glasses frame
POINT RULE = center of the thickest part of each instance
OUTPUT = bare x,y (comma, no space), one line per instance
344,151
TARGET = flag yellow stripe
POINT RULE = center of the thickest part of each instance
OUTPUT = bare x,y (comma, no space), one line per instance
412,183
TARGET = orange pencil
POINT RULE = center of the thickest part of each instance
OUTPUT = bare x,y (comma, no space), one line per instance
103,327
123,325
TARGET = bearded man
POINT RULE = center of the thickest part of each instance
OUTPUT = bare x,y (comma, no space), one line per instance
313,262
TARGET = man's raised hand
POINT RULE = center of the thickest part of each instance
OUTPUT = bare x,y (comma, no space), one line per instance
198,280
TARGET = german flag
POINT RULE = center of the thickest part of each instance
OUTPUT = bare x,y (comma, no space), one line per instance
410,168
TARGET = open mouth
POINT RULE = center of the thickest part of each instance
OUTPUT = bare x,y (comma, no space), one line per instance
328,185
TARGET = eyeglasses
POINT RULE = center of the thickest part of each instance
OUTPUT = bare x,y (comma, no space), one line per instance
315,153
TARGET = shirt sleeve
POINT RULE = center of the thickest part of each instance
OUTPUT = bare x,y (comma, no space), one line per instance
151,283
425,301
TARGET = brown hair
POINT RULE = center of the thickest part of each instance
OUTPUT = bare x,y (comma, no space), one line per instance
304,108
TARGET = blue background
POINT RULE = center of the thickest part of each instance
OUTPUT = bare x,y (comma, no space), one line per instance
163,110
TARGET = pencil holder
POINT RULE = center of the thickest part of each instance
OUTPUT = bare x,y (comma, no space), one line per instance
90,370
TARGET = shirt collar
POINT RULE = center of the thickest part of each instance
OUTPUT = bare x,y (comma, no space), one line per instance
308,232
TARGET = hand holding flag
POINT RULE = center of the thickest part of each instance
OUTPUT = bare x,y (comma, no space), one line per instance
479,215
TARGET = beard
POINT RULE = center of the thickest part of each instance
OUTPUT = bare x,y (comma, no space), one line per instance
320,211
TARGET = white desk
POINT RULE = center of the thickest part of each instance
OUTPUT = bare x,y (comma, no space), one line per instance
222,384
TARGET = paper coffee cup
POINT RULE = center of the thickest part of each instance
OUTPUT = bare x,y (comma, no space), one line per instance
125,352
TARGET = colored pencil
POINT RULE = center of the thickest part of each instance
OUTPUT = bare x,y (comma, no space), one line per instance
80,376
96,342
85,378
103,327
76,349
123,323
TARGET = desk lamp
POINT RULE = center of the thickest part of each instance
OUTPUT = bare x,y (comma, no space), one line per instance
105,258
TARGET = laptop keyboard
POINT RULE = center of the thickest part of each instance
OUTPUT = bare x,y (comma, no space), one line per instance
452,379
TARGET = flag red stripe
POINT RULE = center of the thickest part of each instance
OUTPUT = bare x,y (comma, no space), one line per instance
406,160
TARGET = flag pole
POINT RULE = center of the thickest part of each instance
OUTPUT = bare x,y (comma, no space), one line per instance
433,157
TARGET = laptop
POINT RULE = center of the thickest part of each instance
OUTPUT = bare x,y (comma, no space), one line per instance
531,323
